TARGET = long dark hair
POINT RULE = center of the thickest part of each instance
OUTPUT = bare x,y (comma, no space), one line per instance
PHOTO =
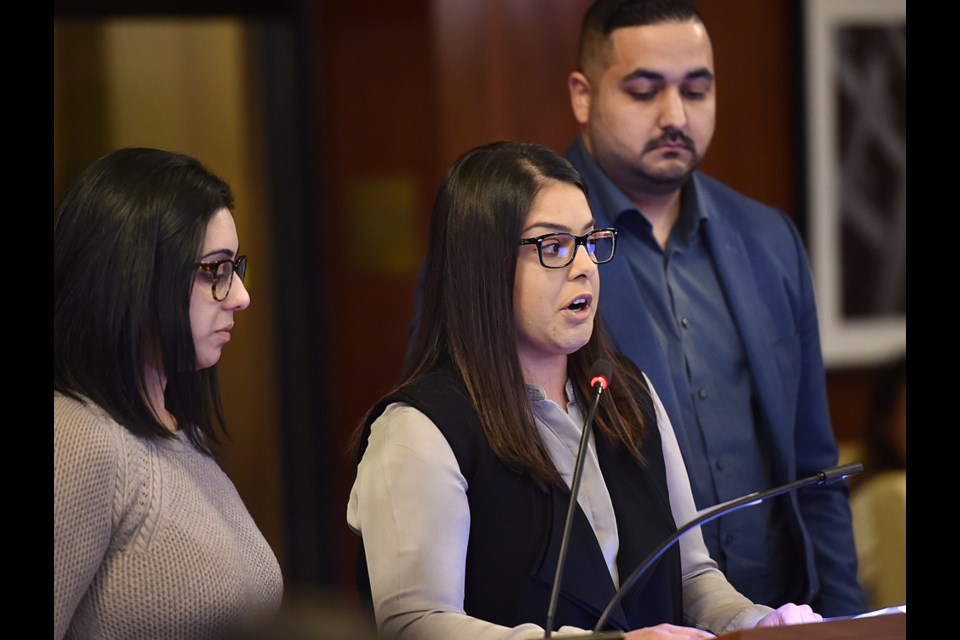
467,318
126,237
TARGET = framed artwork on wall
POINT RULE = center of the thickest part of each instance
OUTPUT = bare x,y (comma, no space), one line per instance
855,65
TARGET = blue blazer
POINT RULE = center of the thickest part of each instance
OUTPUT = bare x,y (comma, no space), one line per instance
762,266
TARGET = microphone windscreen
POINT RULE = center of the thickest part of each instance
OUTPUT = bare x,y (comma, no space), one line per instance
601,372
841,472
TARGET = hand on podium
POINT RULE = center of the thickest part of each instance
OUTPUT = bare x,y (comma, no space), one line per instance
790,614
787,614
667,632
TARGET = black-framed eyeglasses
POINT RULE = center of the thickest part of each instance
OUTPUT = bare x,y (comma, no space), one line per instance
221,274
557,250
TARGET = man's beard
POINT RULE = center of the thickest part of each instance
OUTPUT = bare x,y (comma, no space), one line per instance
667,181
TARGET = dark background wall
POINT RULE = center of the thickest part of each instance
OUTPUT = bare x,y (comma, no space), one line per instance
355,110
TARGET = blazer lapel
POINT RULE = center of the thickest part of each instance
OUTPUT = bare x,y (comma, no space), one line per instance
753,320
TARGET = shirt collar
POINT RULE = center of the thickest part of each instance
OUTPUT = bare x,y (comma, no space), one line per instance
692,213
613,203
536,393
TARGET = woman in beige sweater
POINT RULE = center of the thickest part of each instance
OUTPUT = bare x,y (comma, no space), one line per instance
151,539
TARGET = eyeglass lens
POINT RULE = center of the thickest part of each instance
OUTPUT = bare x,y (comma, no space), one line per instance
558,250
225,271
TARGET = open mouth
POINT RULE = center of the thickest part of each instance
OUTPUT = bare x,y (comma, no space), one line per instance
579,304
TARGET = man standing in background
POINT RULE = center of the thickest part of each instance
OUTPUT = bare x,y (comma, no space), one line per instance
712,297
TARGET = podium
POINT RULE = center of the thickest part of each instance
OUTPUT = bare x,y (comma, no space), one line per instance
891,626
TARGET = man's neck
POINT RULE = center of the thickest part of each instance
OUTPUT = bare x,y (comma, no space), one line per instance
661,210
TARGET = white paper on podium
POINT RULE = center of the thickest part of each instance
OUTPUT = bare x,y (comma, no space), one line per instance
882,612
869,614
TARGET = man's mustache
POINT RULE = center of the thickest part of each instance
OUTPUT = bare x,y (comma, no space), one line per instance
671,137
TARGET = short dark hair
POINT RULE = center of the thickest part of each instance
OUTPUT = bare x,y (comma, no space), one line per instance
603,17
126,238
468,317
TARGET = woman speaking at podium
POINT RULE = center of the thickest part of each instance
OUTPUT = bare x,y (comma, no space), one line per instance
465,468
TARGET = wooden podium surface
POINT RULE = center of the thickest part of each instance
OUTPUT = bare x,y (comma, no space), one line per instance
883,627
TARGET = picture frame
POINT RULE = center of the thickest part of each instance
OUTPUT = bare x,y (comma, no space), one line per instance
854,58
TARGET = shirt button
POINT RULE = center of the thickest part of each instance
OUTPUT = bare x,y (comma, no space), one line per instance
684,323
729,538
703,394
719,465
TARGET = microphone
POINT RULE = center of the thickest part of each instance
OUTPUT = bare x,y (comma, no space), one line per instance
826,476
600,374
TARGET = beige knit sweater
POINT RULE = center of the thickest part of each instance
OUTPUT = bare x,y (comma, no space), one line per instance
151,539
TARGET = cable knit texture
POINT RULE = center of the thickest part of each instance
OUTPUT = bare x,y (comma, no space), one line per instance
151,539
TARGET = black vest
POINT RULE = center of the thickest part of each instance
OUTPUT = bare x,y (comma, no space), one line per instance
516,527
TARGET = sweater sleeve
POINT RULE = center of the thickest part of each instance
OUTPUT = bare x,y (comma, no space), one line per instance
86,474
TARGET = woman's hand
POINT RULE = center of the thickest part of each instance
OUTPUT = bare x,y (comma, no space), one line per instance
667,632
790,614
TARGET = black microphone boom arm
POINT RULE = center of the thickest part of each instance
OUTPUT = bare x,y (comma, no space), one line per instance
822,477
600,374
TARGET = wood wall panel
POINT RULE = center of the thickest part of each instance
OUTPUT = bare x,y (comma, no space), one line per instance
754,148
501,72
376,134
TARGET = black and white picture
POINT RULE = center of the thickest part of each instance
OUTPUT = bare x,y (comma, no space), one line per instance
856,70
